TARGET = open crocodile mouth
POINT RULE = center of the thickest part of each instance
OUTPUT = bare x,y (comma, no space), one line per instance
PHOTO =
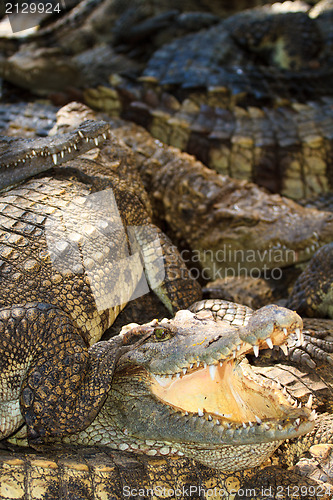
231,395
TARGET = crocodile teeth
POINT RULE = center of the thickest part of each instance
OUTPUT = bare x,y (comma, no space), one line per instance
210,418
184,371
285,331
309,402
212,371
177,375
87,139
191,366
80,134
256,350
96,141
104,136
55,158
269,342
198,364
205,365
62,154
75,146
161,380
313,415
284,348
218,422
300,336
259,421
33,153
200,412
69,150
267,427
250,424
244,425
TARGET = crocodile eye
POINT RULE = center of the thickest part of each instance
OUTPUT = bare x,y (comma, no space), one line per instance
162,334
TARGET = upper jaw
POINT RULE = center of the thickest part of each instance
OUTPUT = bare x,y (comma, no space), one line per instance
248,419
201,341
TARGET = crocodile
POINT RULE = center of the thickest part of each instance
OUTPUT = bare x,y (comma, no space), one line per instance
43,311
101,473
196,206
174,465
38,299
139,34
192,94
286,149
24,463
262,123
227,226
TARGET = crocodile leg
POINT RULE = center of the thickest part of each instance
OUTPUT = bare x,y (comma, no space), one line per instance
59,381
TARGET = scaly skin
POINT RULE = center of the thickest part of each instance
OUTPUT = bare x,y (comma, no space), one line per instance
312,294
24,158
190,377
108,25
92,471
191,96
227,223
78,49
65,245
197,206
286,147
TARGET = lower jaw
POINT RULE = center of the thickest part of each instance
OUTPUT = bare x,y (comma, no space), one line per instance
232,457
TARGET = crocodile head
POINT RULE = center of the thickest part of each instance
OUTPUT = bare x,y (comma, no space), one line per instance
189,390
251,231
